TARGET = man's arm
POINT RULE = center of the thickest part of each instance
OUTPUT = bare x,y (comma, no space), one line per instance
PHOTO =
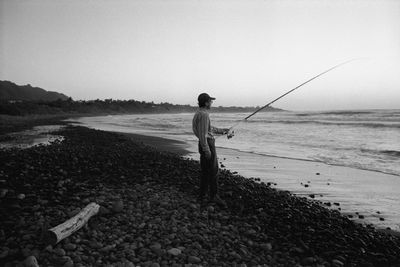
216,130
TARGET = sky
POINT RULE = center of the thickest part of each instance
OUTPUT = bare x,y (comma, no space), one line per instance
245,53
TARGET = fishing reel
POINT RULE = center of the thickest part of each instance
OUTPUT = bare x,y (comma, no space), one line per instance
230,134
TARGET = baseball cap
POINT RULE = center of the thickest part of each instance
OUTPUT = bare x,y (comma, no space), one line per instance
204,97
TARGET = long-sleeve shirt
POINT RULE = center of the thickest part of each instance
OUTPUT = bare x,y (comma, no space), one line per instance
202,128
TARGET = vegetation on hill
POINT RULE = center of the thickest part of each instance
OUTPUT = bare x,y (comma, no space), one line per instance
107,106
10,91
25,100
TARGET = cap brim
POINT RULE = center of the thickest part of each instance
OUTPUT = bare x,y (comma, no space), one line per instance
212,98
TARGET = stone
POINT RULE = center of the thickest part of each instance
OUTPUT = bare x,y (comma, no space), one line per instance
174,251
70,246
31,261
337,263
4,254
308,261
104,211
59,252
69,263
117,206
194,259
266,246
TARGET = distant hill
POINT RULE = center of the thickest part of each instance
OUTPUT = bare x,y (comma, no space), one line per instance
11,91
24,100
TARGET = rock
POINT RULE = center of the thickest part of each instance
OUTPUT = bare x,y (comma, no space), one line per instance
194,259
308,261
210,209
129,264
59,252
155,246
30,262
337,263
3,193
266,246
155,264
174,251
26,252
104,211
70,246
21,196
4,254
117,206
95,245
69,263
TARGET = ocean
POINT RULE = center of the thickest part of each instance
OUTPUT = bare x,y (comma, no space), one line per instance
364,139
347,157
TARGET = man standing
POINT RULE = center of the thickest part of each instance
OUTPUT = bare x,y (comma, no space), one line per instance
208,157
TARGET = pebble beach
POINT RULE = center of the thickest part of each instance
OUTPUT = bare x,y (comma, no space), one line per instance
149,215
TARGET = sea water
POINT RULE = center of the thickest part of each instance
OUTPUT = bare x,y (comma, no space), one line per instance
366,139
357,153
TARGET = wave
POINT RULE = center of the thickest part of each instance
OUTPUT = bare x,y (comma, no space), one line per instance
320,159
393,153
344,113
356,124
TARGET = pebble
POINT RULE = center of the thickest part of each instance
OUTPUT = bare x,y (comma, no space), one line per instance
308,261
70,246
117,206
69,263
4,254
266,246
59,252
194,259
31,261
174,251
337,263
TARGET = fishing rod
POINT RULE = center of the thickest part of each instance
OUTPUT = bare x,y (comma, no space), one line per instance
230,134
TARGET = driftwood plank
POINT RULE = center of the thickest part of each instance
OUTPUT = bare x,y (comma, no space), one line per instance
61,231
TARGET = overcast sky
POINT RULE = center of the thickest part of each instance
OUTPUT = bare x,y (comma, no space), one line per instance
241,52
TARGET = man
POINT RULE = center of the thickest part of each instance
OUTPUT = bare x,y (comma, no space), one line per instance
208,157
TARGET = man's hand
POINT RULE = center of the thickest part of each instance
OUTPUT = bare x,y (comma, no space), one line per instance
207,153
230,134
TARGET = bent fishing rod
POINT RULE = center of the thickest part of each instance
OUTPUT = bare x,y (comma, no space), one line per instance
230,134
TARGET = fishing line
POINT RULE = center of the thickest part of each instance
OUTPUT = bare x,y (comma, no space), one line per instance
230,134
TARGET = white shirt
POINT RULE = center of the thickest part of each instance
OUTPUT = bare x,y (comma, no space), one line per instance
202,128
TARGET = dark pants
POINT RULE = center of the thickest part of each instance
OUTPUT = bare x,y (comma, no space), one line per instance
209,170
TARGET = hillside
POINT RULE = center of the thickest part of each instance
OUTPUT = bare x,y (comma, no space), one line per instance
28,100
11,91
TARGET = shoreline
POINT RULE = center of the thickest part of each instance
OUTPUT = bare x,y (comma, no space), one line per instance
288,174
260,225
